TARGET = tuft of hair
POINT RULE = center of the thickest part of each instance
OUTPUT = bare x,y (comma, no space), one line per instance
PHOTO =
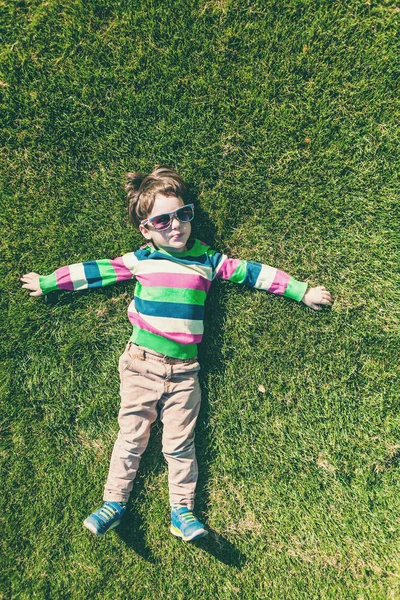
141,190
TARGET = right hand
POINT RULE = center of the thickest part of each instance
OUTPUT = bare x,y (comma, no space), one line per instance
31,281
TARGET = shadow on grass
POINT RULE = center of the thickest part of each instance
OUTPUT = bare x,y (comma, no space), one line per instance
132,530
221,549
132,534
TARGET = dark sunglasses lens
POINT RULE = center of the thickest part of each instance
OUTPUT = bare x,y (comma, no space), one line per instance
185,213
161,222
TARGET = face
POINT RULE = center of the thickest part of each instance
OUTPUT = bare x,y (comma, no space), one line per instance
175,237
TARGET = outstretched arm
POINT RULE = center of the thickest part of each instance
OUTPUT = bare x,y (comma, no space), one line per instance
81,276
270,279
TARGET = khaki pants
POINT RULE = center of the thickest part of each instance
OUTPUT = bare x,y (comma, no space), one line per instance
149,379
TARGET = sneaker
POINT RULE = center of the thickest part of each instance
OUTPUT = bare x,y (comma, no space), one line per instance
185,525
105,518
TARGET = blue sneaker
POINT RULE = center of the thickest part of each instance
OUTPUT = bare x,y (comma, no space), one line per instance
105,518
185,525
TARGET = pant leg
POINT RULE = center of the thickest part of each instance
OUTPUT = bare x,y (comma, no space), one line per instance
142,385
180,406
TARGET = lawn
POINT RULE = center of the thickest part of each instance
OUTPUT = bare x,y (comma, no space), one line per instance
283,117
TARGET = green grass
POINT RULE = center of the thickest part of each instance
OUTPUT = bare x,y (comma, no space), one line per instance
284,119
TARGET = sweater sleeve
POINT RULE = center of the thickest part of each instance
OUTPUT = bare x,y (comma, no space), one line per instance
91,274
257,275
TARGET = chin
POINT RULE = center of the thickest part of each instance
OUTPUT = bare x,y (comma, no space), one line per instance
178,244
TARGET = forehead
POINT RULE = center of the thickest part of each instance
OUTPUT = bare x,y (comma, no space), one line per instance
163,204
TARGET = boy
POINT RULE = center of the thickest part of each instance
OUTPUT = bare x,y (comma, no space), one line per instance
159,367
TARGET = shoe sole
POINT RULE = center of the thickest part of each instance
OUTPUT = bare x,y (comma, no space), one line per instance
187,538
93,529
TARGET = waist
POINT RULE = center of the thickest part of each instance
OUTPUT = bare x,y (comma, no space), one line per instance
140,352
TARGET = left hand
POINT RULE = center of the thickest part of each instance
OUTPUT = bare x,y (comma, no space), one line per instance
31,282
317,297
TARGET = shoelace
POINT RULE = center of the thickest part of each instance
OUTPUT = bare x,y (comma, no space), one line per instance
107,511
188,517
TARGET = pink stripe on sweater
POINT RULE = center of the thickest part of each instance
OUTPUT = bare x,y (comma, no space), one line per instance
63,278
228,268
173,280
279,283
122,272
181,338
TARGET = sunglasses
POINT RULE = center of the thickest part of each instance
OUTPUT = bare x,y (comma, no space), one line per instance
162,222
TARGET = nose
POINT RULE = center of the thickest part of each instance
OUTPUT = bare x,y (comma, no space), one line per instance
175,221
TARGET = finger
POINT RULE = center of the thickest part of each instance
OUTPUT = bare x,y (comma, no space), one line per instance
315,306
327,303
37,293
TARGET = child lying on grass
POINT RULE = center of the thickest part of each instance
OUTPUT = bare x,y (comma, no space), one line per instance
159,366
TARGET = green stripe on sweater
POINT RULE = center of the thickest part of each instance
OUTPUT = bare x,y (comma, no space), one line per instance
163,345
107,272
165,294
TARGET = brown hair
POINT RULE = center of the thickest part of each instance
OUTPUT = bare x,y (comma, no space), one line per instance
141,191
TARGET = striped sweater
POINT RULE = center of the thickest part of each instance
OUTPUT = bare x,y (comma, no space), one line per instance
167,310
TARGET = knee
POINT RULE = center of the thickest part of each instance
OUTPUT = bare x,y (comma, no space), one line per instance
181,448
133,440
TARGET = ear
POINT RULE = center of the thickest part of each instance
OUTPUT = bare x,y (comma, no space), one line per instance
145,232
